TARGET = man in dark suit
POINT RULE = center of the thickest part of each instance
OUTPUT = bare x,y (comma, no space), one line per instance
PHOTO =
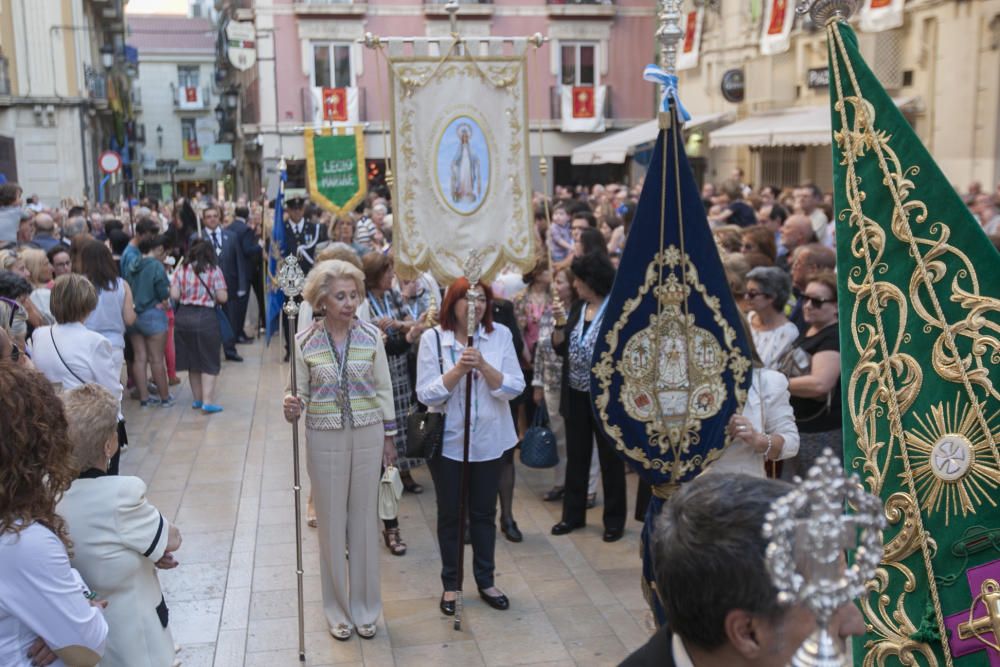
722,609
232,263
302,235
246,241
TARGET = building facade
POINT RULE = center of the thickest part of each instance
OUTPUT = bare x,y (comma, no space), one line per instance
304,47
941,66
182,153
65,96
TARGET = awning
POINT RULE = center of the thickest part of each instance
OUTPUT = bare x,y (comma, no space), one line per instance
614,148
798,126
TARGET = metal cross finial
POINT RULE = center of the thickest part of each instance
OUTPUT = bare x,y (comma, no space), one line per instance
452,9
823,11
670,34
809,534
291,280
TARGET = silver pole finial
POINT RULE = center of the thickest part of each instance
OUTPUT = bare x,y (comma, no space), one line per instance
452,8
824,11
670,34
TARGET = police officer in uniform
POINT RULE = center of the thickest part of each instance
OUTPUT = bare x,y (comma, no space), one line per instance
302,236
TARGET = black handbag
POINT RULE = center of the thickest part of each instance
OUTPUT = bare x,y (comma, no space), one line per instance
225,328
425,430
538,447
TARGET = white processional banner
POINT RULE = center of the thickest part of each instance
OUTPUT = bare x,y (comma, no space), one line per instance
687,55
460,157
879,15
779,16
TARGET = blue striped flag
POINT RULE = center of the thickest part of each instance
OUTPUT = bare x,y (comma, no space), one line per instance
277,249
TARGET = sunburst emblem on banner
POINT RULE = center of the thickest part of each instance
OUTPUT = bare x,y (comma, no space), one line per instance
952,459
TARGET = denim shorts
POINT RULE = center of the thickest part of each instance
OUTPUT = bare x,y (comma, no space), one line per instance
151,322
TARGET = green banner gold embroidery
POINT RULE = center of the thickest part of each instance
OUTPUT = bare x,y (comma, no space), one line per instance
920,354
335,165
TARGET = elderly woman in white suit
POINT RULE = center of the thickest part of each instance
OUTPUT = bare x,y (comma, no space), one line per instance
765,430
119,538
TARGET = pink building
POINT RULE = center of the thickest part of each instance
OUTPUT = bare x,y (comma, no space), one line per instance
306,46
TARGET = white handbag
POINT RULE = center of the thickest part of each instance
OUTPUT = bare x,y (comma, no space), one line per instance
390,490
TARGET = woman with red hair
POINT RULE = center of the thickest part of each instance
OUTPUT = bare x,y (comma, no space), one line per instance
446,356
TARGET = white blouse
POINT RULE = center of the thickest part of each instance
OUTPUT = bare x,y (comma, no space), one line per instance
42,596
771,345
493,430
77,354
773,416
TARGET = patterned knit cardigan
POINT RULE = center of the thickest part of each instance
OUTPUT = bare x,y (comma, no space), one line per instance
368,383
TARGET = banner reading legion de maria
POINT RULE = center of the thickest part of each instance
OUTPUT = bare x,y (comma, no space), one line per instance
335,167
460,153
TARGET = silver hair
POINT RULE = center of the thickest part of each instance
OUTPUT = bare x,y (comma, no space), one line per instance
773,282
74,226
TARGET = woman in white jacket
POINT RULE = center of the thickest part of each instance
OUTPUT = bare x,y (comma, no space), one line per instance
764,431
119,538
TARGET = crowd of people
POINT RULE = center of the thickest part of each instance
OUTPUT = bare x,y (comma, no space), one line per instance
94,311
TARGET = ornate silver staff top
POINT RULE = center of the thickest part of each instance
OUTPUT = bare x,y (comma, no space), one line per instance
670,34
291,280
809,535
822,11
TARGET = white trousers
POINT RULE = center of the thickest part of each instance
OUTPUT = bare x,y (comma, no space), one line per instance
344,468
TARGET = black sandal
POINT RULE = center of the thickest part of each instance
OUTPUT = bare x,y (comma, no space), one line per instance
553,494
397,547
409,484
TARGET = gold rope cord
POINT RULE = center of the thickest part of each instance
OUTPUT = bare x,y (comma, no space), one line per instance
901,212
854,198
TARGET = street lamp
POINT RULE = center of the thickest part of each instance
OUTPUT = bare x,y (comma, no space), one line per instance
232,98
220,113
107,56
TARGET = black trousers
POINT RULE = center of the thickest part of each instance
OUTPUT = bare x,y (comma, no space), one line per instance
581,429
238,313
257,285
484,479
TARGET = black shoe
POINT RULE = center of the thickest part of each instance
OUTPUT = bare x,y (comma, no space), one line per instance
447,606
497,602
555,493
233,356
613,535
285,360
591,500
243,340
564,527
511,531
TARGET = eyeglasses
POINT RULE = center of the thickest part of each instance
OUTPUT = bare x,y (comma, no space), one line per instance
750,294
816,302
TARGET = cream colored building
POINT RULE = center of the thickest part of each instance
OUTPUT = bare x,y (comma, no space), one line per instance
942,67
58,97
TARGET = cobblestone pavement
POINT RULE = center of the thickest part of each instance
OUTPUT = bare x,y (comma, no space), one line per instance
226,481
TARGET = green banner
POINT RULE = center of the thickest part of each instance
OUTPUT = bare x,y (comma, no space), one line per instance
336,168
920,353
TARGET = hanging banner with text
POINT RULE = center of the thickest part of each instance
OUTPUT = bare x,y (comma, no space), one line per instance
335,166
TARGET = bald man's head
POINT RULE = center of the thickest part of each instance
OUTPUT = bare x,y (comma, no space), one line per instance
44,223
797,231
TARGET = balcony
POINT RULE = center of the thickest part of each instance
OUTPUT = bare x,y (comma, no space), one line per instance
313,107
190,98
577,9
471,9
330,8
555,103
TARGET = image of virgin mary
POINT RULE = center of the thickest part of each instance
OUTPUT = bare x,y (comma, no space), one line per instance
466,178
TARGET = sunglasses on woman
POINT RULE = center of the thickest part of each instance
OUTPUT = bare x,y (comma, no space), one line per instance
816,302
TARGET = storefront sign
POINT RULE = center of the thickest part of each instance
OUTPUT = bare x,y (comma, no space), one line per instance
818,77
241,44
733,89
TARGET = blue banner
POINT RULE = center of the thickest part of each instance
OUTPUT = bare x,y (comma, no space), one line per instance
672,362
277,249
